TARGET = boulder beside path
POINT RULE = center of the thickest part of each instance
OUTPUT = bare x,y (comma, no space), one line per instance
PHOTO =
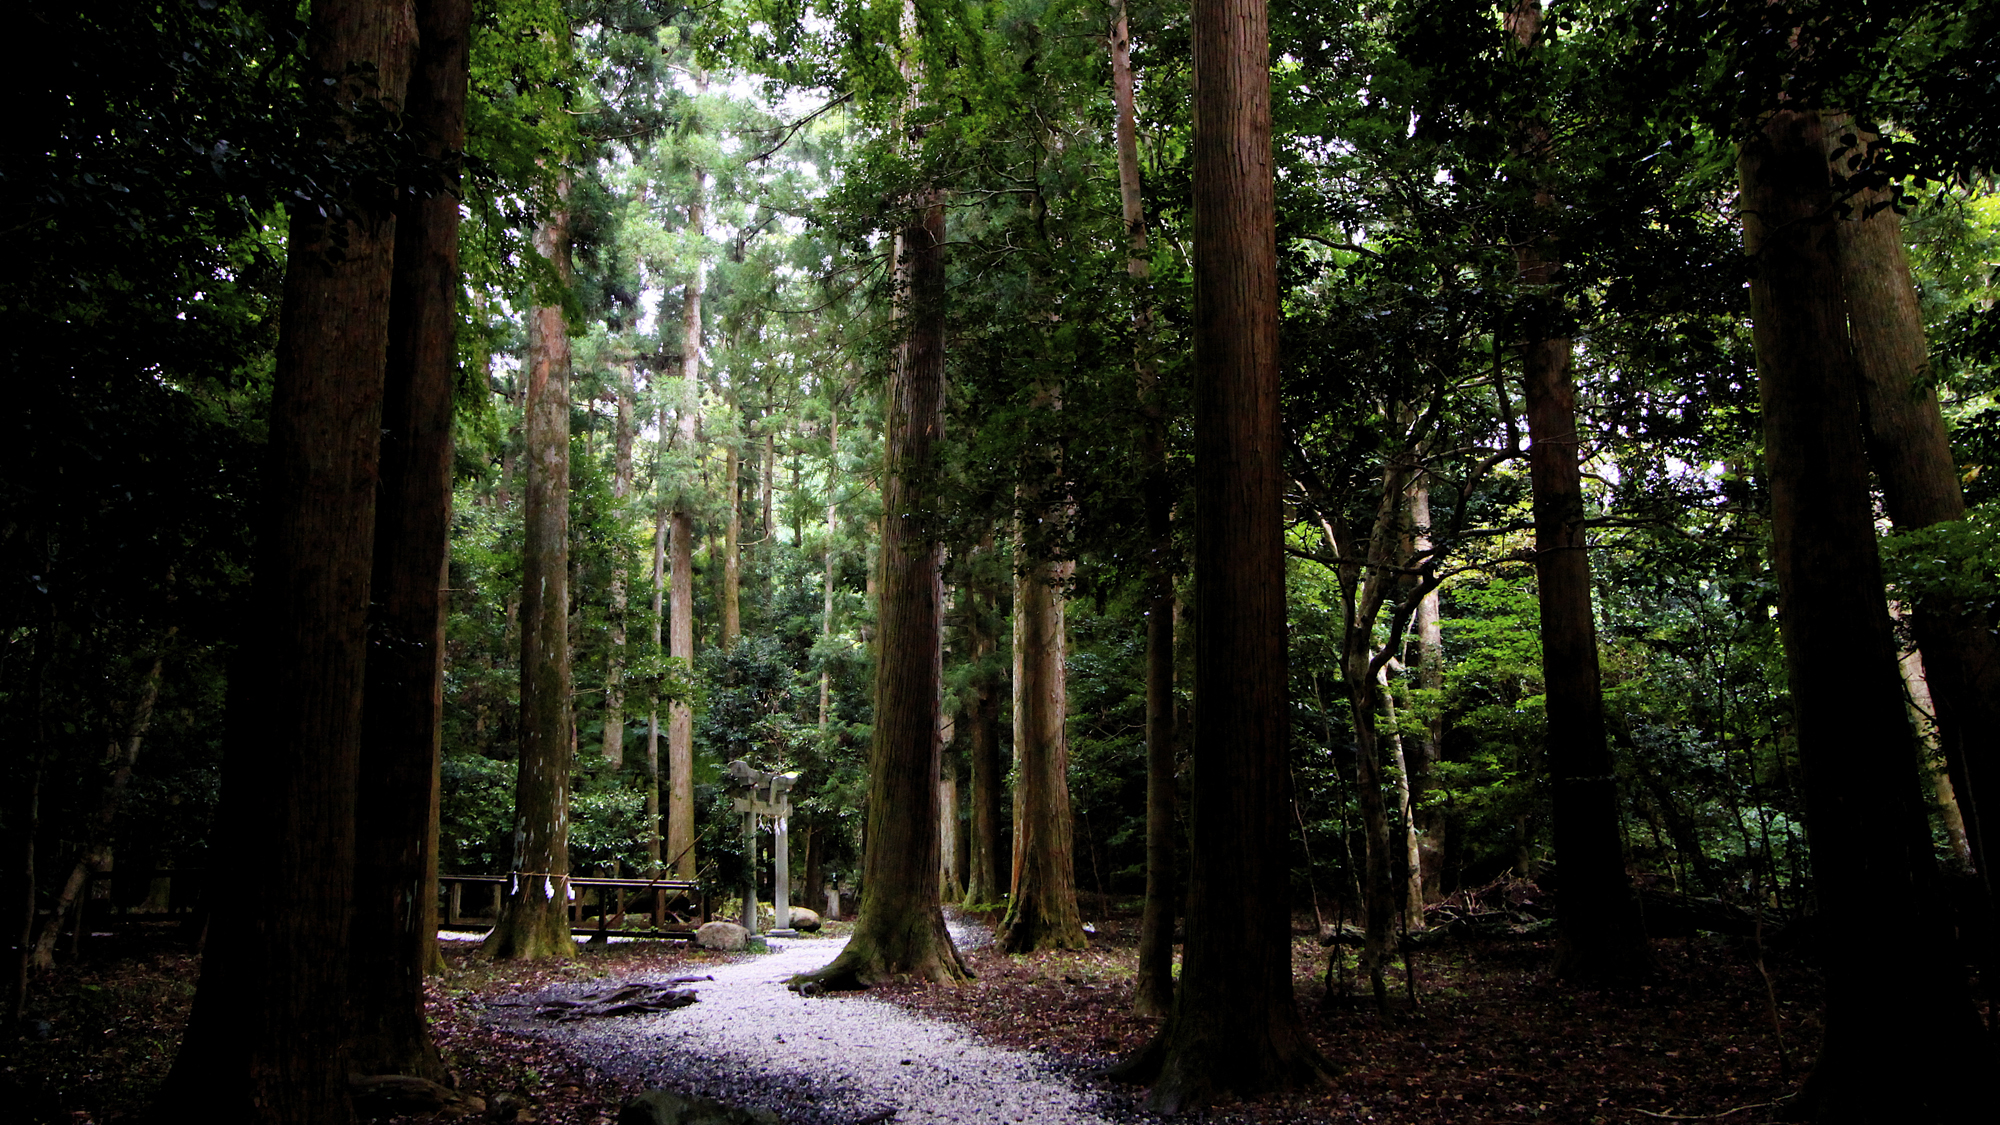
724,937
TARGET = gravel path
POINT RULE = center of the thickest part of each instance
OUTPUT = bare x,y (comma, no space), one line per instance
824,1060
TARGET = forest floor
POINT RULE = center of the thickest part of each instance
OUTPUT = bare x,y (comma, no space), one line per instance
1491,1038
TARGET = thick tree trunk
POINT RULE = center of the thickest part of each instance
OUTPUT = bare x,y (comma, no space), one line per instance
1235,1023
621,491
1870,852
1041,908
1153,987
265,1041
96,855
1911,453
395,915
1601,936
534,915
985,883
901,930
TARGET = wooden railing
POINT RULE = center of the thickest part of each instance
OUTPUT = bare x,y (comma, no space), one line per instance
677,906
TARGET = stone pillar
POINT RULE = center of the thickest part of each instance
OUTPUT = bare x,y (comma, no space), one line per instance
749,918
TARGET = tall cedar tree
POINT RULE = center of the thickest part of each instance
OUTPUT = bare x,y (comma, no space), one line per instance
1601,936
395,887
265,1041
1041,905
534,915
1871,852
1153,987
1911,454
680,630
613,745
901,929
1235,1024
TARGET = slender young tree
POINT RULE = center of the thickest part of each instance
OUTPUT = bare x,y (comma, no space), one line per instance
1153,987
1235,1024
1871,853
984,883
534,915
621,492
395,894
95,855
266,1039
732,548
1600,935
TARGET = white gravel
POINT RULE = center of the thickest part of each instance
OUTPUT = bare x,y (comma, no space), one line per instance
826,1060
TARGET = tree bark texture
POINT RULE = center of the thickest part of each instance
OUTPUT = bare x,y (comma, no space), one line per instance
1911,454
901,932
1041,906
1870,847
1601,936
1235,1025
1923,713
265,1041
534,915
395,896
1409,873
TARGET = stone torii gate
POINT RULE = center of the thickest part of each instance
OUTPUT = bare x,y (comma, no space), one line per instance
758,794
